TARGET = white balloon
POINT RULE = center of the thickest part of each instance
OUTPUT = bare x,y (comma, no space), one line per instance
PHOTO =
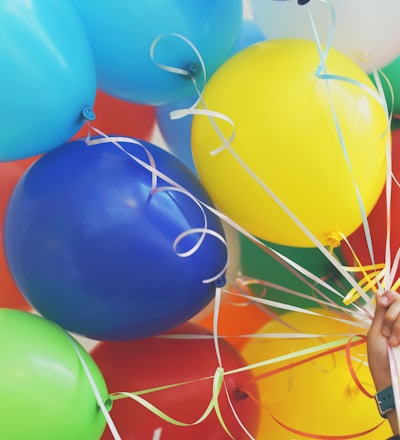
367,31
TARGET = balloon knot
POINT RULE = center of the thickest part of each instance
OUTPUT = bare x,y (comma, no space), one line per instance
221,281
193,70
333,240
88,114
240,394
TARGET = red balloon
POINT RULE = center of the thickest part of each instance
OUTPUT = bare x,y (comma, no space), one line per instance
118,117
153,362
378,223
10,172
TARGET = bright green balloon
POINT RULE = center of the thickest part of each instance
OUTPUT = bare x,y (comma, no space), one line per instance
45,392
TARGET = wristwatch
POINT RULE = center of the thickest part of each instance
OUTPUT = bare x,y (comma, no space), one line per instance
385,401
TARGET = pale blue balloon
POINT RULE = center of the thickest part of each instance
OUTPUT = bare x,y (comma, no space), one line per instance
48,76
122,33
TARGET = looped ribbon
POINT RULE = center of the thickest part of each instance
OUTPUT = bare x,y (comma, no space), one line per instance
174,186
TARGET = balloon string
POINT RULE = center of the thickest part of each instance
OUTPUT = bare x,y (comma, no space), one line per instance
352,371
326,437
394,363
331,348
380,97
96,391
151,167
332,241
213,405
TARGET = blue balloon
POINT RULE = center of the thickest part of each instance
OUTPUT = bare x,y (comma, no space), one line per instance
48,76
177,132
122,36
91,246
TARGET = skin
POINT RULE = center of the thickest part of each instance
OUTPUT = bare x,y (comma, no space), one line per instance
384,332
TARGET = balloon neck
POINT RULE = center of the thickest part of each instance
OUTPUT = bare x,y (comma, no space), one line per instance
108,403
220,282
353,390
240,394
333,240
88,114
193,70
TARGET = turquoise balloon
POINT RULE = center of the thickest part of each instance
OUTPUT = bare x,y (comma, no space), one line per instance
47,76
45,392
122,34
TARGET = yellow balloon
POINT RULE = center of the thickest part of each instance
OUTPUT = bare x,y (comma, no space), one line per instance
286,135
319,397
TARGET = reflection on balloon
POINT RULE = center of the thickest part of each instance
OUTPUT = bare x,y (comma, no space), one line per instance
47,79
305,397
358,26
287,137
154,362
122,39
96,247
45,391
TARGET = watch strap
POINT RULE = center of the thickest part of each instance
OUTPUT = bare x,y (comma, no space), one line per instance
385,401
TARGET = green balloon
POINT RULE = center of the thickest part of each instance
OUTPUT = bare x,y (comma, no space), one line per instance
392,74
256,263
45,392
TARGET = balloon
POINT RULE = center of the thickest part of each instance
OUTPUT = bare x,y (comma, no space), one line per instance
237,316
250,34
282,118
152,362
48,76
259,265
122,40
389,79
95,247
176,132
46,393
319,398
10,172
358,26
378,224
116,116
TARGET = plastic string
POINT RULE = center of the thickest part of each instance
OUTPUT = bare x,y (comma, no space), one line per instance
96,392
157,434
394,362
217,306
213,405
115,140
326,437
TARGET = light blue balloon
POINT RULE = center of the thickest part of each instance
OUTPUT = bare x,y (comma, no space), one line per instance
177,132
47,76
122,33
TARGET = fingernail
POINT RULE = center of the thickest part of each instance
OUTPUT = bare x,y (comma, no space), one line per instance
383,301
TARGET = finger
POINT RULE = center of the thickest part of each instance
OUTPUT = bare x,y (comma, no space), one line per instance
391,318
387,298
